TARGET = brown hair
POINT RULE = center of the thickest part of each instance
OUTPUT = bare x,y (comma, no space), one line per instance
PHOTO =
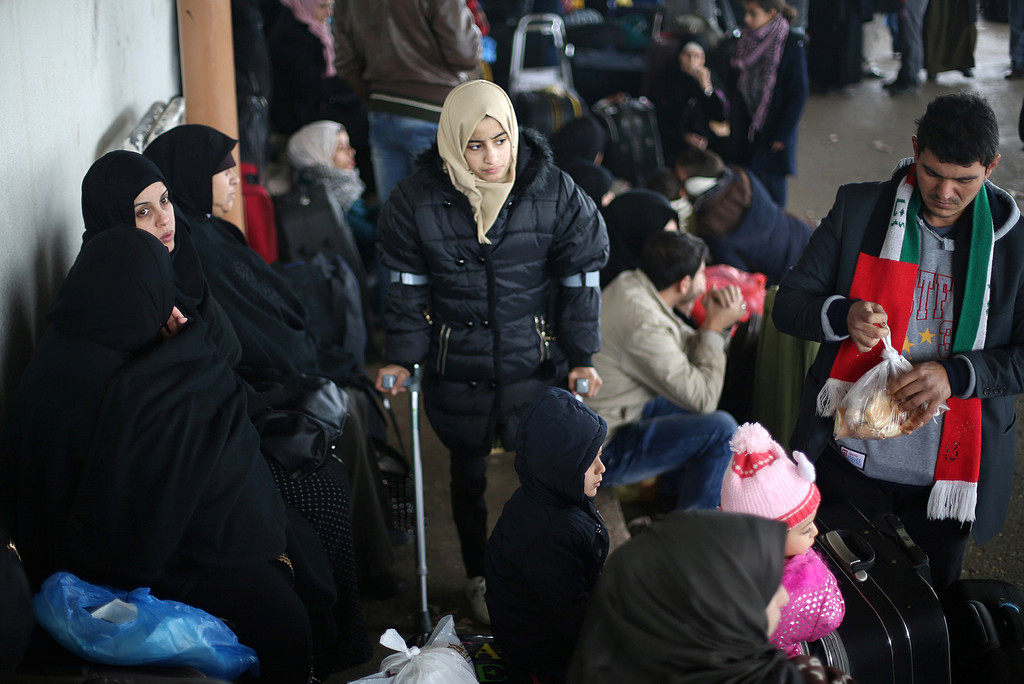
780,6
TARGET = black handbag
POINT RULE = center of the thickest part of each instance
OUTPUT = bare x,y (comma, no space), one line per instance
304,416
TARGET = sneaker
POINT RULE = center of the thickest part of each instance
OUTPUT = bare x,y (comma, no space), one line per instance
904,88
476,591
1014,74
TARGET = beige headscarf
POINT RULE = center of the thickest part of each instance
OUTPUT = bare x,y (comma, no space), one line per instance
464,108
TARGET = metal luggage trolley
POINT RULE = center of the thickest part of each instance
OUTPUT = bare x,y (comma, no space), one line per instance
414,384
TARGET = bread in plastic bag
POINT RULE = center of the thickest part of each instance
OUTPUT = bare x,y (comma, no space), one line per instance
868,411
441,660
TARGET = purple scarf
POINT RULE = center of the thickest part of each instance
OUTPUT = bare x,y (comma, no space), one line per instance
758,53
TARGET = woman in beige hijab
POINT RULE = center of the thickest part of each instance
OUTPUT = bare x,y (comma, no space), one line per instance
493,254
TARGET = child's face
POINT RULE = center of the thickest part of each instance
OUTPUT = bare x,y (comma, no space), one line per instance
344,155
773,611
756,16
592,478
801,537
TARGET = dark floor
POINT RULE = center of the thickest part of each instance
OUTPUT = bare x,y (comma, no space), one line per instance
856,137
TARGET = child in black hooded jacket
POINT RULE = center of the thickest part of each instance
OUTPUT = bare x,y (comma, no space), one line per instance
549,545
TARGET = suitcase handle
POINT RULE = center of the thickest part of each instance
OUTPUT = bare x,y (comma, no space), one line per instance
916,554
857,562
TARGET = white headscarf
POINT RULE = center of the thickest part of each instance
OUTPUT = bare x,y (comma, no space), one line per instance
464,108
311,153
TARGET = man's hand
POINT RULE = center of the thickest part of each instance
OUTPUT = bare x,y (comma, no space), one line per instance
920,392
588,373
866,322
723,307
400,373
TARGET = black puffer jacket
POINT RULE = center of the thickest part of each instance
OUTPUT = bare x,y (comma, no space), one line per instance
549,545
482,326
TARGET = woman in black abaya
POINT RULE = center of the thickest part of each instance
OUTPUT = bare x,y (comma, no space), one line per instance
110,193
126,186
129,459
275,337
271,321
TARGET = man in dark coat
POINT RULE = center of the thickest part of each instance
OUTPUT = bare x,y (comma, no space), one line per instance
548,546
931,258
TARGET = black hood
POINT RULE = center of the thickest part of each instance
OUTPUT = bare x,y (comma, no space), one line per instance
559,437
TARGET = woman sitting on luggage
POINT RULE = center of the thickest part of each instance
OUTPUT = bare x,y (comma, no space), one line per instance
693,599
130,461
320,152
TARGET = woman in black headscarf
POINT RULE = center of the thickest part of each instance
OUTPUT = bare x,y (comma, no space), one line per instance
692,599
129,459
277,343
631,218
113,191
270,320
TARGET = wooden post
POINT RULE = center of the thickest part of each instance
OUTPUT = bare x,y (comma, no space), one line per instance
208,74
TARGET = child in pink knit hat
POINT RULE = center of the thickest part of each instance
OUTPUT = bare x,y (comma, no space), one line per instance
763,481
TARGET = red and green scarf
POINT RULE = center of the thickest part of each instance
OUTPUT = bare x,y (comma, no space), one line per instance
890,279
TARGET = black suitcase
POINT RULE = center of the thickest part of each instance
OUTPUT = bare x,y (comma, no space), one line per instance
894,630
986,631
547,110
634,145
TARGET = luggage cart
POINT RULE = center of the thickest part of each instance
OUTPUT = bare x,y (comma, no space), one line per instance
414,384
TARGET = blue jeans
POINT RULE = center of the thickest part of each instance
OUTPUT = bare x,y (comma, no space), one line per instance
689,450
395,142
1017,34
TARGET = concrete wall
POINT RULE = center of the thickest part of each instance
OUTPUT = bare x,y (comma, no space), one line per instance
75,76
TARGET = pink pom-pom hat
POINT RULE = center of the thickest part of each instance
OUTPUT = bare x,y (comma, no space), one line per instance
762,480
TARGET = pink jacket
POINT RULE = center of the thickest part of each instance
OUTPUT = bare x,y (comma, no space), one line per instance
815,607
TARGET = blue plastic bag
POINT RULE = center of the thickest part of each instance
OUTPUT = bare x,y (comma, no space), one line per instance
133,628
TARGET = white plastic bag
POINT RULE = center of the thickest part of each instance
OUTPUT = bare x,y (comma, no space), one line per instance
868,411
442,659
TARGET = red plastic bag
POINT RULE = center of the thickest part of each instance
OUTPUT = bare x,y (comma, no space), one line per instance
752,285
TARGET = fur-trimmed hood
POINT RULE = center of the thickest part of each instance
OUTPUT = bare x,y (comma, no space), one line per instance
535,165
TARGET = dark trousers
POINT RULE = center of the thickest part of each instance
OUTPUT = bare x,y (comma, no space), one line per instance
265,613
469,509
945,541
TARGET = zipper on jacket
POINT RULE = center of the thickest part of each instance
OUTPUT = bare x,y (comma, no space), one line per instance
539,325
442,348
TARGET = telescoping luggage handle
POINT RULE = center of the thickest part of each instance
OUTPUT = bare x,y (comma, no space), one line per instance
857,562
414,383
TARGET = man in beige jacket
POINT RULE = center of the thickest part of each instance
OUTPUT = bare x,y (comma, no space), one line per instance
662,374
